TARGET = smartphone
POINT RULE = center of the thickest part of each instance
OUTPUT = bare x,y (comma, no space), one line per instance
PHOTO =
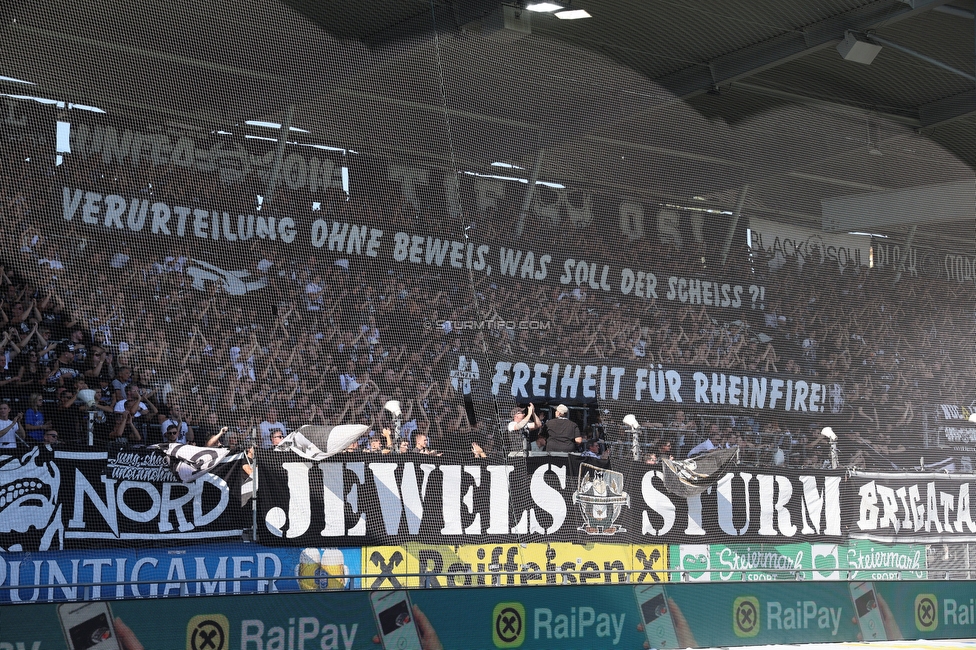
88,625
656,616
868,614
394,620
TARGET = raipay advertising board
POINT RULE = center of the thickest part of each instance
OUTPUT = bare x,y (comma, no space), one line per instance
604,616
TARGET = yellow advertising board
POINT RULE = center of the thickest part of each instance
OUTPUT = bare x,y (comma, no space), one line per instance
423,565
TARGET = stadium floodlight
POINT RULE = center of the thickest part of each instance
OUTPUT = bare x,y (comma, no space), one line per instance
631,421
544,7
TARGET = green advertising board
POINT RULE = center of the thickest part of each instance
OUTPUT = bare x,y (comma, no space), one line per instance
572,617
856,560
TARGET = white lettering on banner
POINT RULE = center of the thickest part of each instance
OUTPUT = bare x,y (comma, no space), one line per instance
579,216
577,381
775,519
432,251
642,284
234,162
487,193
894,256
407,498
509,264
632,219
809,245
883,558
205,224
231,160
904,508
757,560
961,268
476,500
158,219
182,501
694,291
668,233
955,434
953,412
410,178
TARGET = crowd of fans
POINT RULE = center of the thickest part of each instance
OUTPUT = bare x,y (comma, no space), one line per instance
105,334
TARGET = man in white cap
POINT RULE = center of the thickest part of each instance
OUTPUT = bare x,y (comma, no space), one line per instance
564,435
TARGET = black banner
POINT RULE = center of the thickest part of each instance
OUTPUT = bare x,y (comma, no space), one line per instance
926,508
364,500
51,500
637,385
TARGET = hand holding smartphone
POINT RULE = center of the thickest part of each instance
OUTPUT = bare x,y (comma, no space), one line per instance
395,620
868,613
88,626
656,616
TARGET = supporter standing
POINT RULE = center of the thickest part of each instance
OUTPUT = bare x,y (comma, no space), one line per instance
523,423
564,434
9,428
176,418
713,441
34,418
269,424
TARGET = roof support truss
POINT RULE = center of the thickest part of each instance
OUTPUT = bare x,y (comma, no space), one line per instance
754,59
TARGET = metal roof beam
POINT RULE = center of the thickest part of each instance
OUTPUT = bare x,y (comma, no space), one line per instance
958,12
940,203
947,110
784,48
918,55
837,105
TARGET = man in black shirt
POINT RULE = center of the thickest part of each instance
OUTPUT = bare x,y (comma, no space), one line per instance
564,435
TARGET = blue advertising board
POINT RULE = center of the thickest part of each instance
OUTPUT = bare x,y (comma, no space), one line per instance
203,569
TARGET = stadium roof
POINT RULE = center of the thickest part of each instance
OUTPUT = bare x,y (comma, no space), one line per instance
681,101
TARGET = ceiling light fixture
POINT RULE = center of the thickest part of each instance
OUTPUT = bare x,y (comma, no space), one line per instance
272,125
856,49
544,7
573,14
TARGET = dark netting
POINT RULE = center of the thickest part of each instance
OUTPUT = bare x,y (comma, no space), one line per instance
500,276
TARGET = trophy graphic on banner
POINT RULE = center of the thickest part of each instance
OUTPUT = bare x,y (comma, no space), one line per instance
601,498
322,570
